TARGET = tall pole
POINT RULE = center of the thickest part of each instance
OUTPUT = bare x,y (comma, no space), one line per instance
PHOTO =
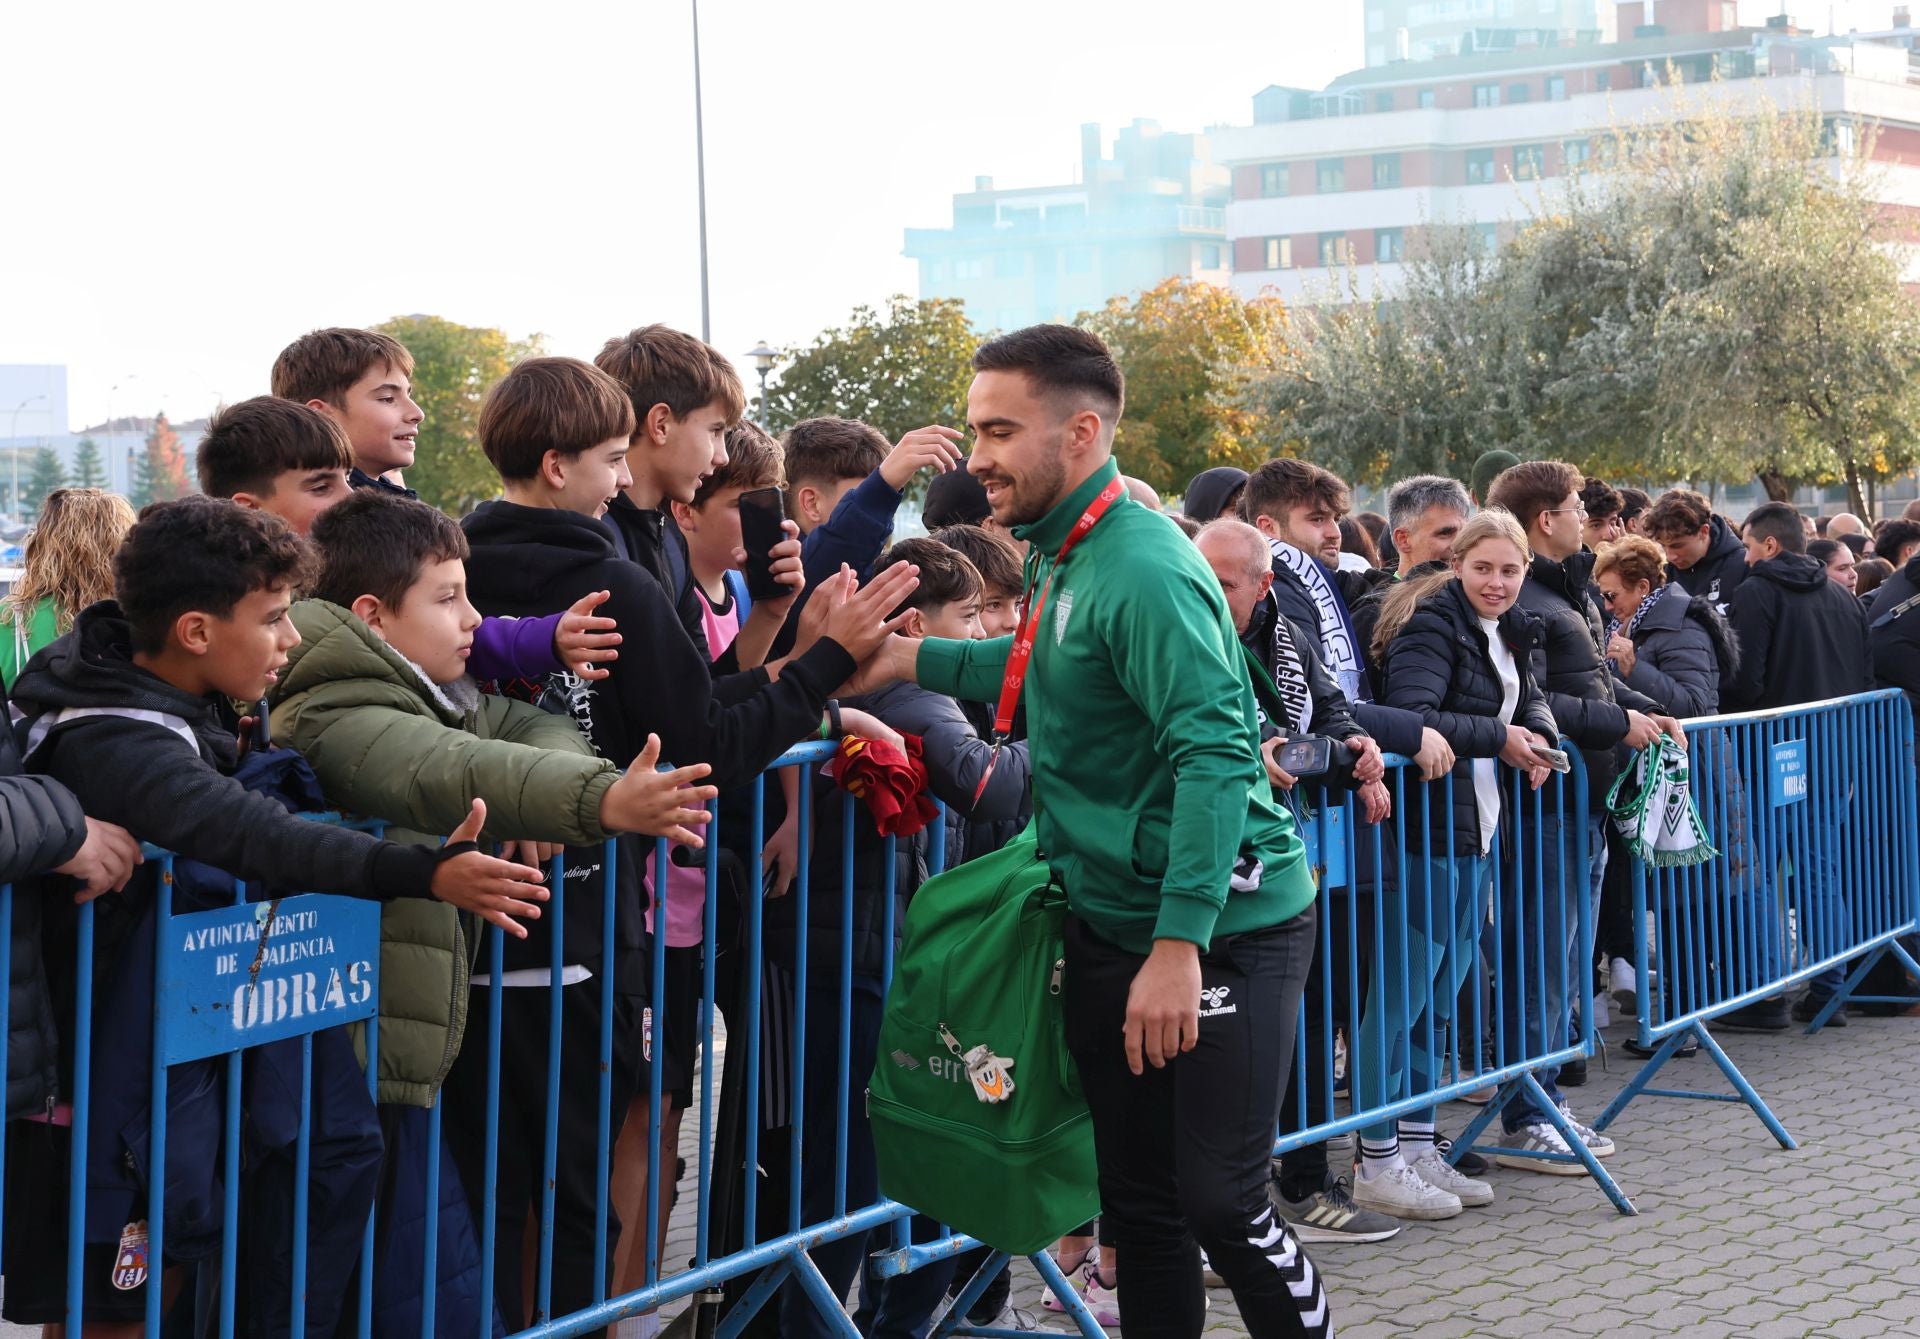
700,167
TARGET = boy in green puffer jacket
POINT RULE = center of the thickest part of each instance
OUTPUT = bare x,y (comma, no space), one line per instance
377,699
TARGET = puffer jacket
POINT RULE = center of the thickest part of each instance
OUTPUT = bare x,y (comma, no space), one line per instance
41,827
1720,570
1682,650
956,751
1569,664
388,744
1440,666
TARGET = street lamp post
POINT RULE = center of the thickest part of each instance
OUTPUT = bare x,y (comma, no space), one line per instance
700,168
763,357
13,449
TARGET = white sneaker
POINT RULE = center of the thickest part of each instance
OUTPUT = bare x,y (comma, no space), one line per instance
1598,1144
1430,1166
1538,1137
1624,988
1401,1192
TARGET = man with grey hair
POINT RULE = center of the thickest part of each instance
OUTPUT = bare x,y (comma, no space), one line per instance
1425,514
1317,1205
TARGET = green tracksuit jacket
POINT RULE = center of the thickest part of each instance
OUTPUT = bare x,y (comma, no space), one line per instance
1147,780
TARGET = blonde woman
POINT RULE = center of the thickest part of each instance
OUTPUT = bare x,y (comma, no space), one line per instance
1455,649
69,566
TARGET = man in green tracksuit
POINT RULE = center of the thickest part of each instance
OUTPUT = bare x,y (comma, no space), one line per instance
1191,923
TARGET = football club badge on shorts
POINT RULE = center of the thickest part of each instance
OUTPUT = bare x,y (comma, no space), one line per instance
130,1261
1062,611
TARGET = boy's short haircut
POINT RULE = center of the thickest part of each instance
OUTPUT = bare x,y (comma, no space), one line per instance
1533,487
1284,483
1059,361
945,574
753,461
249,445
378,544
992,555
1188,526
550,404
829,450
324,364
1779,522
1676,514
1894,536
657,364
1600,500
201,554
1633,502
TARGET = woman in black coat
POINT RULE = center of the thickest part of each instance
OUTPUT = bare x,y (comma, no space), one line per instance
1455,650
1662,641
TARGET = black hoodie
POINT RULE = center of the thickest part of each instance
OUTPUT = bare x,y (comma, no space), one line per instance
163,774
1720,570
1206,497
1802,638
532,560
648,536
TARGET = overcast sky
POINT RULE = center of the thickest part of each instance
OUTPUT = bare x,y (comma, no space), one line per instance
187,187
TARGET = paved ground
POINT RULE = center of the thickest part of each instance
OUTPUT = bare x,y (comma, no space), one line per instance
1735,1236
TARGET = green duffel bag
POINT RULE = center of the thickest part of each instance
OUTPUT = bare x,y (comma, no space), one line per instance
977,1114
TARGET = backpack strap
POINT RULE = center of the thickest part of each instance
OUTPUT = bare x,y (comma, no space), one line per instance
1900,609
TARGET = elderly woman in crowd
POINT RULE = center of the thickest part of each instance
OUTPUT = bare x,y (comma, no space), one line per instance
1662,641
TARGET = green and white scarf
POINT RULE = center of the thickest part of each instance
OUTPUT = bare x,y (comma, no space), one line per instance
1653,805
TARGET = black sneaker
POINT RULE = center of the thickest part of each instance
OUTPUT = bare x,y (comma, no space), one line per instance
1470,1164
1689,1047
1761,1016
1807,1006
1330,1214
1573,1074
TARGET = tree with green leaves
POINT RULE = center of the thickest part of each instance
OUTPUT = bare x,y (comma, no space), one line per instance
453,365
89,471
1187,347
900,368
160,474
45,475
1719,299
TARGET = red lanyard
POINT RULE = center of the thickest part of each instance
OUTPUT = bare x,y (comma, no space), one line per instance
1021,656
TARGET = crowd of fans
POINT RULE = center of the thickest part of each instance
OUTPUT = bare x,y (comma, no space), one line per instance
491,679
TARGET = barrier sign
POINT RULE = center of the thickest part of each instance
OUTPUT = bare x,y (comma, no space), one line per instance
1334,857
259,972
1787,772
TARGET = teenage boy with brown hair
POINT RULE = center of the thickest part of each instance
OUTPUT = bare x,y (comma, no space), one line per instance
273,455
846,483
362,380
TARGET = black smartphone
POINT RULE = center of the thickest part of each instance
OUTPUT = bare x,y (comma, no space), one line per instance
761,514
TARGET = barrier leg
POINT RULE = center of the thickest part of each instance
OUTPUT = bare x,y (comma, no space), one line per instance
1743,1091
1668,1049
1838,1000
955,1319
1581,1153
1075,1304
814,1285
756,1296
1747,1094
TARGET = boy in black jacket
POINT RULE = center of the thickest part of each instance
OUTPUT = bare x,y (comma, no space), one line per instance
129,711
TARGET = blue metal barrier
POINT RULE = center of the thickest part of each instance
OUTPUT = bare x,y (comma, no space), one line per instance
1812,811
227,981
1507,937
1468,964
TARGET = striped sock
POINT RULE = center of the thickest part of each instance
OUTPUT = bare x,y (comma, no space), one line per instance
1377,1155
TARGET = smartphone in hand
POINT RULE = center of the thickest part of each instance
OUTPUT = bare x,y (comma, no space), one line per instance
761,514
1556,759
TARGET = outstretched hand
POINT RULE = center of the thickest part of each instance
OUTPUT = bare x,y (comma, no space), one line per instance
495,890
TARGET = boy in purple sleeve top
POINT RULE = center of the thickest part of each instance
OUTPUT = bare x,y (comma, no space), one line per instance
278,456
